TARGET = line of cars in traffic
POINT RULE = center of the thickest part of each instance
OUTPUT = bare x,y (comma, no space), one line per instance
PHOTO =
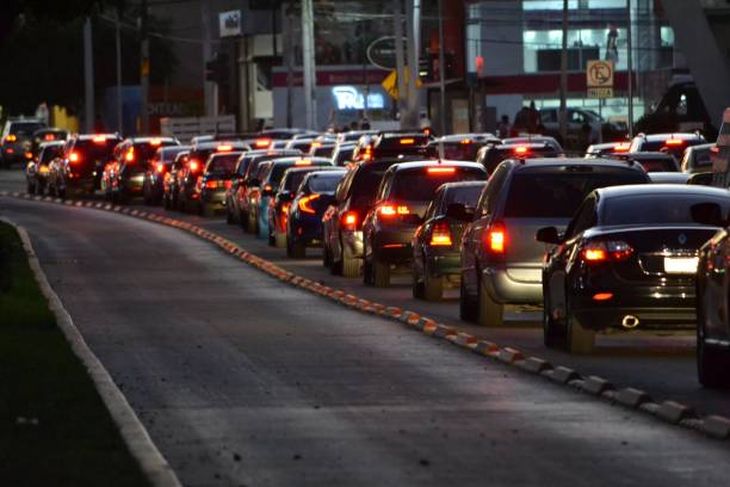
599,241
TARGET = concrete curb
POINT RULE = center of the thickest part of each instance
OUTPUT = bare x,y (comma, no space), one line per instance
670,412
138,440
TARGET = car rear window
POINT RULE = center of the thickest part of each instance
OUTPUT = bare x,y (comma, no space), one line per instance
702,158
96,150
655,209
277,171
222,164
325,151
294,179
541,194
422,183
466,195
344,155
405,141
458,151
145,151
658,165
25,128
49,153
325,183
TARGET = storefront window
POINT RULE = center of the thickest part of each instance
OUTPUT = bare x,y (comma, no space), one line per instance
542,48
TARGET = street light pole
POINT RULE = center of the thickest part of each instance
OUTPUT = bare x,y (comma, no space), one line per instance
442,80
88,77
399,57
145,68
118,39
310,82
564,76
630,69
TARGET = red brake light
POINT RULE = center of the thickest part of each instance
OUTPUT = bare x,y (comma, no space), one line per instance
155,142
224,148
211,184
49,137
466,141
393,210
441,235
597,252
521,150
228,183
262,143
193,165
673,142
74,157
441,170
305,204
497,238
129,156
407,141
622,147
303,162
160,167
349,220
99,139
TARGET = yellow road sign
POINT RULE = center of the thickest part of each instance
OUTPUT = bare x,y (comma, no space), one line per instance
600,93
390,83
599,74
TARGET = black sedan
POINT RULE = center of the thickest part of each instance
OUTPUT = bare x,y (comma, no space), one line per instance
628,259
436,252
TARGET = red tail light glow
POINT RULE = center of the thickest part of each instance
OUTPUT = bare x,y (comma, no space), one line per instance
673,142
99,139
441,170
224,148
129,156
211,184
306,202
262,143
466,141
74,156
521,150
194,165
49,137
441,235
228,183
160,168
349,220
393,210
622,147
155,142
496,238
611,251
602,296
407,141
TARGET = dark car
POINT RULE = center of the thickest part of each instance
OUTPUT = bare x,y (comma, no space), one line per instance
397,144
197,158
403,195
270,185
671,143
302,144
210,190
37,170
81,169
627,260
606,149
159,166
280,206
436,252
342,221
342,153
313,198
47,134
698,158
501,263
16,140
123,178
651,161
669,177
491,155
171,180
245,181
461,147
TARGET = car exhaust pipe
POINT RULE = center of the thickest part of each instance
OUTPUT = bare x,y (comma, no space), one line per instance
629,322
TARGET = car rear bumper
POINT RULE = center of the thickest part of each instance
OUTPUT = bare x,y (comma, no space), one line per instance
213,198
306,230
444,264
514,285
394,246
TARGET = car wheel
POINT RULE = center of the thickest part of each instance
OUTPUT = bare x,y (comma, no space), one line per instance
712,363
229,215
578,340
381,273
467,306
280,240
326,256
433,287
349,265
416,287
296,250
31,188
491,313
553,336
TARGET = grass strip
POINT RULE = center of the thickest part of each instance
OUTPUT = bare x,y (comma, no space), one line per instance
54,427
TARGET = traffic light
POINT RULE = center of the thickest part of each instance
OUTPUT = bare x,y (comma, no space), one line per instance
218,70
425,68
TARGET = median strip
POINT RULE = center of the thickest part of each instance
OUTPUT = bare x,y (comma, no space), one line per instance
670,412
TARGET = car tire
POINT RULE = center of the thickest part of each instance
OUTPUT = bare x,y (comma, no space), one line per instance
229,215
417,287
296,250
578,340
381,273
491,313
349,265
31,188
712,362
280,240
326,256
433,287
552,334
467,306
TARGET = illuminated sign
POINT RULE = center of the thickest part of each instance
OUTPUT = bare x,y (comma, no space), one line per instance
350,98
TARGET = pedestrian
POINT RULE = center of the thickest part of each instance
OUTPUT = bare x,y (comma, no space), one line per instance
533,118
503,128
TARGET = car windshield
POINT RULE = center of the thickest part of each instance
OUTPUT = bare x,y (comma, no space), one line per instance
421,184
655,209
145,151
223,165
458,151
325,183
465,195
536,194
25,128
366,184
277,172
702,158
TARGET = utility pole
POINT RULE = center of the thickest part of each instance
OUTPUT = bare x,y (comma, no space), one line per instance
630,68
88,77
442,76
411,118
144,68
118,38
564,77
399,57
310,70
289,58
210,101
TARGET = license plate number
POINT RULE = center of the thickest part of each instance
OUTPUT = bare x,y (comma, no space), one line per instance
680,265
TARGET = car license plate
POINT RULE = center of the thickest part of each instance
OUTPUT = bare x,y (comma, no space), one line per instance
680,265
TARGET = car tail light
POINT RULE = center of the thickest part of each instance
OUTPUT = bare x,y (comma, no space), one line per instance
622,147
224,148
99,139
49,137
315,145
155,142
348,220
303,162
408,141
441,170
228,183
74,156
29,155
268,187
673,142
211,184
306,202
521,150
496,240
262,143
160,168
441,235
193,165
368,154
129,156
466,141
610,251
11,138
388,209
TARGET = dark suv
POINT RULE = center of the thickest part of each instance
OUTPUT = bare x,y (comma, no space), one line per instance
501,262
80,170
404,193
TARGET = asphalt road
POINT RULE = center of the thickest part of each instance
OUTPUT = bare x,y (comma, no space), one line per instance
243,380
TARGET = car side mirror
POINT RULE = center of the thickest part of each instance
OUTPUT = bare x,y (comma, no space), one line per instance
460,212
708,214
548,235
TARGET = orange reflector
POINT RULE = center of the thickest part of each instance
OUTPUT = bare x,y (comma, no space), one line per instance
602,296
407,141
441,170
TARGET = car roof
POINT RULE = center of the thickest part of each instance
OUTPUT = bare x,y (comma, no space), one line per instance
462,184
546,162
236,144
289,160
145,139
669,135
405,166
675,177
215,155
662,189
697,147
108,135
472,137
51,143
638,156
